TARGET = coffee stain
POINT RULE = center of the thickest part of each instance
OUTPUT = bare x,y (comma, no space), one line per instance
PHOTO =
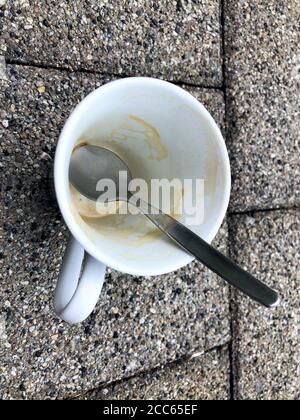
87,230
91,209
117,227
210,181
135,128
80,143
139,233
118,230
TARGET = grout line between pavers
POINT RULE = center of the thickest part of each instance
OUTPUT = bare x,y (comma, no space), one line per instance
265,210
232,366
99,73
169,365
234,303
233,318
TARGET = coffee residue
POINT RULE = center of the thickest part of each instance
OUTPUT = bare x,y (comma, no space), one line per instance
105,221
135,128
140,232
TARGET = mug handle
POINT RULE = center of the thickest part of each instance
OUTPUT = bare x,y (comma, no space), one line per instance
79,284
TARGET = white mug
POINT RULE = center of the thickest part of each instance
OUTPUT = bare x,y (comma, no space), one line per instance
160,131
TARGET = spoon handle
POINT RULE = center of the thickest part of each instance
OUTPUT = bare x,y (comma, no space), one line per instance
212,258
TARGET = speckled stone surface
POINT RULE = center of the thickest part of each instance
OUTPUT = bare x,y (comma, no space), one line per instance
139,323
2,67
203,377
176,39
263,102
267,342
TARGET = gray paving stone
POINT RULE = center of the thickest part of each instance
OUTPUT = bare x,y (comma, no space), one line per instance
139,323
267,342
263,85
203,377
176,39
2,68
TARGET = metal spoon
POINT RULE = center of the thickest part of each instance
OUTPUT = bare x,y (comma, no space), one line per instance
89,164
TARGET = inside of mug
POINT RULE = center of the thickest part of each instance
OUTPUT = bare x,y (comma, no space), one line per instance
160,132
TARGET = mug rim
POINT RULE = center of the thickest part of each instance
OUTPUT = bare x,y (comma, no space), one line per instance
60,167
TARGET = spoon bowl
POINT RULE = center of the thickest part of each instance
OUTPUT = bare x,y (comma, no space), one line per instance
89,164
